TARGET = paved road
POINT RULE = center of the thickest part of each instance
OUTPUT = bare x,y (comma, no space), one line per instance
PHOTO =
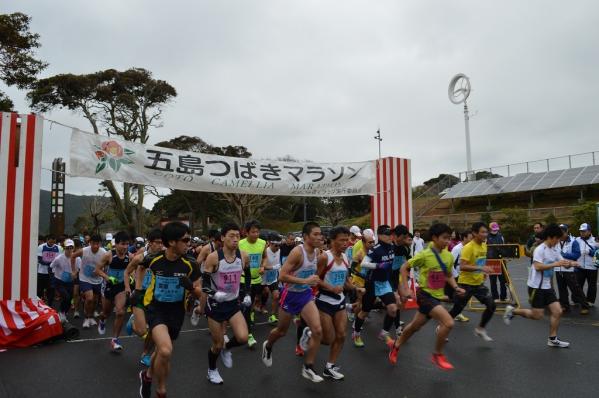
516,364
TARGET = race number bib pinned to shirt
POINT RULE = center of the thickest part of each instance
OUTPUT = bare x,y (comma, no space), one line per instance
337,278
271,276
168,290
436,279
480,262
306,273
119,274
228,282
66,277
382,288
255,260
88,270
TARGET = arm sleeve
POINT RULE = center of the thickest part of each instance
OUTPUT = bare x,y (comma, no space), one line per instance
417,260
538,257
574,252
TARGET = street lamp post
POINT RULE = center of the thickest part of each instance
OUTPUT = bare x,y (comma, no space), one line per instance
379,139
458,92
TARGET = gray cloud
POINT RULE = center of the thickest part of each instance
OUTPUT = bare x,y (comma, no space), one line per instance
315,79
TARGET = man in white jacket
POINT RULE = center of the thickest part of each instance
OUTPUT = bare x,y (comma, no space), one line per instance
588,270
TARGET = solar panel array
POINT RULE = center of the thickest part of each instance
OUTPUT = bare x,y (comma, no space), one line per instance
526,182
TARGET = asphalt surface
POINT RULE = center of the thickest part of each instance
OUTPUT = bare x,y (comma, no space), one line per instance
517,364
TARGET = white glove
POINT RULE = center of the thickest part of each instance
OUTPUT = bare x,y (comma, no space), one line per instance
219,297
276,267
247,301
368,265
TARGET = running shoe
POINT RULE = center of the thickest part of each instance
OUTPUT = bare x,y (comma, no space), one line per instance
129,326
357,340
273,319
85,323
482,333
308,373
266,355
92,322
115,344
145,384
226,339
399,330
226,357
76,315
441,362
393,355
584,311
557,343
391,343
146,360
214,377
102,327
385,337
305,339
251,341
508,315
462,318
96,314
298,351
333,373
195,318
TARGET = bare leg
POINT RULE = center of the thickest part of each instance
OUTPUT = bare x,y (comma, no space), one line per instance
161,358
340,321
310,315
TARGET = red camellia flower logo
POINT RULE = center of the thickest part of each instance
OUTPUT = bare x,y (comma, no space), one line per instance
113,149
111,153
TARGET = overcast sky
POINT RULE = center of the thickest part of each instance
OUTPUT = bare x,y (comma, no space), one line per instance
315,79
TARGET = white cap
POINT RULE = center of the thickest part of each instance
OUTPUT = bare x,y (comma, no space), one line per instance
108,236
368,233
140,239
356,231
69,242
298,239
584,227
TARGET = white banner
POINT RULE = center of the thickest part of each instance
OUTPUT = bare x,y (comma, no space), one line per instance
108,158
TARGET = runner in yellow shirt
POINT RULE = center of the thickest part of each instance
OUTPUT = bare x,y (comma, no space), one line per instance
473,271
434,265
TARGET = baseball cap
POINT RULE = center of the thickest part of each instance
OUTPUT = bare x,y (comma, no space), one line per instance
494,226
584,227
69,242
140,239
564,226
356,231
368,233
108,236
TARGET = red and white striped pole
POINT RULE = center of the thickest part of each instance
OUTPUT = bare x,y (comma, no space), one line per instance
392,203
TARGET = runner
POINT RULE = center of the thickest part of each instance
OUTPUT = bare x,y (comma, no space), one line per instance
298,273
112,268
270,275
358,275
46,253
473,272
402,254
456,252
434,265
256,249
137,321
379,262
214,244
90,284
65,268
220,282
172,273
333,271
541,295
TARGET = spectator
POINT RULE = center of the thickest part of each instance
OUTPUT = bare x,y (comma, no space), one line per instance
417,244
538,228
454,241
587,271
566,277
496,238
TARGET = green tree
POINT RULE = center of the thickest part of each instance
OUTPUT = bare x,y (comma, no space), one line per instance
485,175
516,225
585,213
486,218
550,219
126,104
18,64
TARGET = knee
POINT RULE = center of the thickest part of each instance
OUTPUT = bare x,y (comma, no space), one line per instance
316,332
340,336
120,312
392,310
491,305
448,323
164,351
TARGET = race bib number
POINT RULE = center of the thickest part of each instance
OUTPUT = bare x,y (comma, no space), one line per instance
119,274
228,282
480,262
255,260
306,273
147,280
167,289
436,280
382,288
48,257
336,278
398,262
548,273
66,277
88,270
271,276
